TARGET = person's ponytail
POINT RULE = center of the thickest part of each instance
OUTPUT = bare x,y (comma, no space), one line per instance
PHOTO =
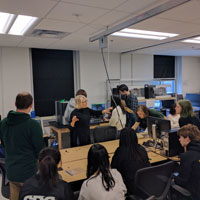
48,162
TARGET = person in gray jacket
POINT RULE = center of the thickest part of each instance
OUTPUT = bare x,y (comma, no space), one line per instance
71,105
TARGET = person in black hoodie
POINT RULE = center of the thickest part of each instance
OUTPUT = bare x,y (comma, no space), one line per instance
80,121
189,171
46,184
129,157
22,138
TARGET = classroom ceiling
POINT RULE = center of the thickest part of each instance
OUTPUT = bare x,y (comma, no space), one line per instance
81,19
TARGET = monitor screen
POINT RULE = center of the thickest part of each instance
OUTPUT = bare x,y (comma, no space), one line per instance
98,106
161,125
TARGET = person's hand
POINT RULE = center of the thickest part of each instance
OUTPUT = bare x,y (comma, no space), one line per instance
108,110
74,120
105,119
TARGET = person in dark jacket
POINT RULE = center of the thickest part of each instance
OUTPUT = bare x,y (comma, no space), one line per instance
189,171
131,102
80,121
187,116
23,140
129,157
46,184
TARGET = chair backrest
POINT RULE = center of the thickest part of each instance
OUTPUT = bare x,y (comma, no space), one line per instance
104,133
155,180
5,189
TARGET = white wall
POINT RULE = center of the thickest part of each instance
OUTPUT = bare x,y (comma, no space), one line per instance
15,69
93,75
190,75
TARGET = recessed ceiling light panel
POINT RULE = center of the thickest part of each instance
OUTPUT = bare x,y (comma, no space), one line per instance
5,21
22,24
135,33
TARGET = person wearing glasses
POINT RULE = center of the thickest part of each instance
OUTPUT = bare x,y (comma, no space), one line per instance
80,121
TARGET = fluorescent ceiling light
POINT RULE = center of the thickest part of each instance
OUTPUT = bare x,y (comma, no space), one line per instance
127,30
5,21
22,24
192,41
135,33
139,36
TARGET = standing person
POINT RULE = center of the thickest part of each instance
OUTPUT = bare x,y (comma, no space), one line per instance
80,121
118,121
189,171
71,105
143,113
103,182
22,138
129,157
187,116
131,102
47,183
173,117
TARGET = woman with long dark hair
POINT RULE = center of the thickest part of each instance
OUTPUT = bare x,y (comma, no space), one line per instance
47,181
118,118
102,182
129,157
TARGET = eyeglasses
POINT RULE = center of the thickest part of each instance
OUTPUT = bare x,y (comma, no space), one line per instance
84,101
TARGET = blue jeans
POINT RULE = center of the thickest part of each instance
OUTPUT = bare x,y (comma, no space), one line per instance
130,119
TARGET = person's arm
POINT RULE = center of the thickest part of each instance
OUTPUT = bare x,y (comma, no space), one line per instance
108,110
74,120
135,126
37,137
184,170
114,118
133,103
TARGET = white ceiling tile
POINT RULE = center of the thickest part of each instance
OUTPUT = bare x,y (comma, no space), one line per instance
91,29
59,25
136,6
187,12
37,8
10,40
35,42
166,25
68,11
108,4
111,18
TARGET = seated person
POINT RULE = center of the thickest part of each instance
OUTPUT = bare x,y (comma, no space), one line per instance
129,157
118,118
187,116
103,183
47,181
173,117
80,121
143,113
189,172
71,105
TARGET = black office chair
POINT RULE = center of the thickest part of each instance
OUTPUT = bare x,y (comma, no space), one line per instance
154,182
104,133
5,189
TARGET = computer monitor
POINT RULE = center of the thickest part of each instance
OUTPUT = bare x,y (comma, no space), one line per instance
167,103
161,125
98,106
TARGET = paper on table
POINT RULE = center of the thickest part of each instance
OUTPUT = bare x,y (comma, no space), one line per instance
74,171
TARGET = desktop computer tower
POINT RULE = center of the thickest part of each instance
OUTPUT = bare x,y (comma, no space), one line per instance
148,91
171,144
60,107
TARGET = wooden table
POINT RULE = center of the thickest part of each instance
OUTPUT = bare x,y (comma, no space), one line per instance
65,131
75,159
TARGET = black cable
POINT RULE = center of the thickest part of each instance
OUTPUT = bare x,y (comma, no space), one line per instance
110,86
